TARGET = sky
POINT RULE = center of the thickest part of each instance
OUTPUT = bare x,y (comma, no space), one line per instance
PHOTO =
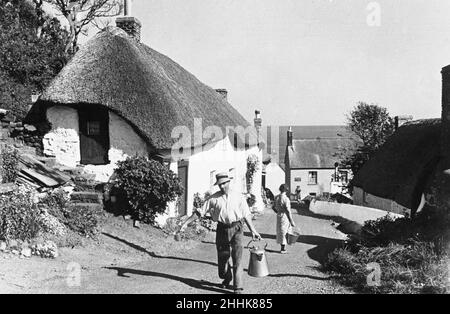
307,62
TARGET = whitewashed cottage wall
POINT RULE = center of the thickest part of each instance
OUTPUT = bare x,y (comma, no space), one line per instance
63,141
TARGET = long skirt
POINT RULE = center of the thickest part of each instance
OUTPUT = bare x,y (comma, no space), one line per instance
283,227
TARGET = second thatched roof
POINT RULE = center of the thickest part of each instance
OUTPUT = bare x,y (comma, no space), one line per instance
146,88
401,168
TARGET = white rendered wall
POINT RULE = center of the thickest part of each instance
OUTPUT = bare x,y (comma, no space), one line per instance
274,177
63,141
323,181
221,157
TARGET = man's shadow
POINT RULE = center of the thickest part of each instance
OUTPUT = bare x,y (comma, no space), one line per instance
198,284
153,254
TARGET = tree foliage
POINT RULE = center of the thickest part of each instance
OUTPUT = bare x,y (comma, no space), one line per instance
372,125
80,14
31,53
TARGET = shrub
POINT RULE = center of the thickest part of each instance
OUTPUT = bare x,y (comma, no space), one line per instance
82,219
414,268
411,254
48,249
148,186
56,202
194,231
19,215
252,168
9,164
51,224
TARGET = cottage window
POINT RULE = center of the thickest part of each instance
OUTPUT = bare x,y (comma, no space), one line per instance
297,179
344,176
312,177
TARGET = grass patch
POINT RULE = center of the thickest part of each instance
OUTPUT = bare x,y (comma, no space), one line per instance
395,256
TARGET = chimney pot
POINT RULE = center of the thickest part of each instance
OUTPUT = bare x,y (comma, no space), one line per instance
289,137
131,25
223,92
257,121
402,119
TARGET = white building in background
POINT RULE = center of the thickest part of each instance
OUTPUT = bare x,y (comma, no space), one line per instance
312,163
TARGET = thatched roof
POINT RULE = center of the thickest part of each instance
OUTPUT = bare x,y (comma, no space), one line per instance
318,153
401,167
148,89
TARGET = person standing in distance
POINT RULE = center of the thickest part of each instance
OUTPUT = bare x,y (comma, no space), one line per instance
282,206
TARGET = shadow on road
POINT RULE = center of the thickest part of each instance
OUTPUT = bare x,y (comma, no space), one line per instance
308,213
323,245
198,284
301,276
153,254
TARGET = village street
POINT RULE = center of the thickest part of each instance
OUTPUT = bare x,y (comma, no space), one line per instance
195,270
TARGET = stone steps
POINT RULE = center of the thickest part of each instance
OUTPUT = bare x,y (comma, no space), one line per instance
90,197
95,207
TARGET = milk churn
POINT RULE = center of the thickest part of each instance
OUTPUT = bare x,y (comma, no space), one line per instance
257,266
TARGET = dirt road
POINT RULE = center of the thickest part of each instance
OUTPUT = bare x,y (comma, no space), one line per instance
194,270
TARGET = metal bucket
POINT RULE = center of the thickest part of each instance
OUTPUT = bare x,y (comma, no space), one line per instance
292,237
257,266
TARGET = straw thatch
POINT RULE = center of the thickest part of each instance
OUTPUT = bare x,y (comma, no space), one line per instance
149,90
317,153
401,168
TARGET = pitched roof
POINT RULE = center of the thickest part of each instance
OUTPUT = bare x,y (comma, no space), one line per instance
146,88
317,153
301,132
399,170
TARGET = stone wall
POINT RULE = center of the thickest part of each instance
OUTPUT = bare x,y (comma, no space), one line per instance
362,198
16,132
355,213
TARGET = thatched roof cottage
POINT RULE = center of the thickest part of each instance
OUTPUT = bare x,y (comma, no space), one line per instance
411,170
395,178
118,97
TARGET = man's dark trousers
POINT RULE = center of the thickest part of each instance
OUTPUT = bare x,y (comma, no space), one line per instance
229,244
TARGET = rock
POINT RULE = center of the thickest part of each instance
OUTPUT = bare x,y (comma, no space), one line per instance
30,128
3,246
15,252
13,245
6,187
26,252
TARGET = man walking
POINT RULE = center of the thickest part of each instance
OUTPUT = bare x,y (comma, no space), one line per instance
229,209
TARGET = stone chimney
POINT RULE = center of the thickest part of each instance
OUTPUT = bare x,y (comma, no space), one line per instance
258,124
289,137
445,116
257,121
442,178
131,25
223,92
400,120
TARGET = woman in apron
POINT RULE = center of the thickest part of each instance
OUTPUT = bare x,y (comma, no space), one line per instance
282,206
